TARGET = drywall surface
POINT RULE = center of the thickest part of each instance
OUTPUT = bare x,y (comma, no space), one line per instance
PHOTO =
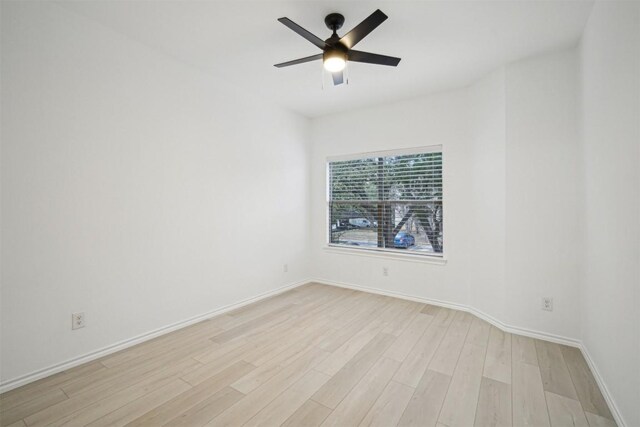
542,202
510,204
437,120
487,201
134,189
610,125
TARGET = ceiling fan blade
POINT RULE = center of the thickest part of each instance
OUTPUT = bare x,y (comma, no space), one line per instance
299,61
372,58
338,78
304,33
362,29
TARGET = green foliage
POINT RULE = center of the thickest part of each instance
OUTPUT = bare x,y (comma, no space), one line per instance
369,187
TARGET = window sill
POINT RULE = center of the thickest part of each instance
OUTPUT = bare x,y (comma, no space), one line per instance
373,253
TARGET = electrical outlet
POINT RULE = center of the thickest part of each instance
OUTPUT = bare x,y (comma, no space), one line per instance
285,268
77,320
385,271
547,303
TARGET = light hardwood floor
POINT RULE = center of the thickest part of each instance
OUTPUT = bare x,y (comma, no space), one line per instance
320,355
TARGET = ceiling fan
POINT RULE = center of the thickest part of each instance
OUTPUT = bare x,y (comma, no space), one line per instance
336,50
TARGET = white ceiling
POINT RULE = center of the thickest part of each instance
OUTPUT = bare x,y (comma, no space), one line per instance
443,44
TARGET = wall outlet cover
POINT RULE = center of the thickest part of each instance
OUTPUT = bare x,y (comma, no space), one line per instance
77,320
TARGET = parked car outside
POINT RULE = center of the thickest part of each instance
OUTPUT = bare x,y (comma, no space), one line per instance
404,240
360,222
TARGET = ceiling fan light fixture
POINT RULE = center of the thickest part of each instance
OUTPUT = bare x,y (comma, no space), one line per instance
337,50
334,61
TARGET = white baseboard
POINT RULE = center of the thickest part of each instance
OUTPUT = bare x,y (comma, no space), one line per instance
25,379
501,325
76,361
495,322
603,387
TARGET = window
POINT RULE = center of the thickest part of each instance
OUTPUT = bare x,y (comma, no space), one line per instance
388,201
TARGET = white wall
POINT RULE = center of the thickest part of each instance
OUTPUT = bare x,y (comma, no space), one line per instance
134,188
486,206
439,119
610,63
542,193
510,176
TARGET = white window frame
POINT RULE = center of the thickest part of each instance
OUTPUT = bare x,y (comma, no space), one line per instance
388,253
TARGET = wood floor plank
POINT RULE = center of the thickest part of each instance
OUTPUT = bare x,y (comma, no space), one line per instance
555,375
343,335
354,407
387,410
497,364
420,356
446,356
403,319
294,333
459,407
253,402
564,411
202,330
206,410
260,323
424,407
273,321
342,382
523,350
207,370
215,352
134,409
445,317
287,403
38,388
267,370
81,401
31,406
598,421
194,396
310,414
528,400
108,404
348,350
430,309
310,337
585,384
407,340
494,404
479,332
123,375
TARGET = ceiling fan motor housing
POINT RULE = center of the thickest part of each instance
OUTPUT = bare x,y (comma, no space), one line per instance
334,21
333,48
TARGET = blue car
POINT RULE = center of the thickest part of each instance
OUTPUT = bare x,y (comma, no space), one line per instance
404,240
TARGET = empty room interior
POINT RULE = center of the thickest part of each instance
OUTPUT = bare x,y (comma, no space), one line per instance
320,213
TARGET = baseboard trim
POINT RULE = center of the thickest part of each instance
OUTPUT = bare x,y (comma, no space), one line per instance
104,351
559,339
54,369
500,325
603,387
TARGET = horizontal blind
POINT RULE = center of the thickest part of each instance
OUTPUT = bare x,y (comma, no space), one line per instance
406,177
383,197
